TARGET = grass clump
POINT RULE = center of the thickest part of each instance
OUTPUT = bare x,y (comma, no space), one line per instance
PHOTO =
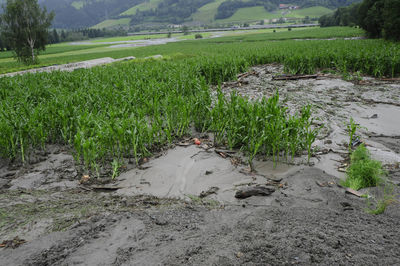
363,171
378,205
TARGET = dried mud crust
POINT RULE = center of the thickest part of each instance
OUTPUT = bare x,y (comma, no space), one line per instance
304,224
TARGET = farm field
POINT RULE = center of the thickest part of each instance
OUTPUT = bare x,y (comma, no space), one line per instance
66,53
141,7
258,13
255,13
223,150
312,12
207,13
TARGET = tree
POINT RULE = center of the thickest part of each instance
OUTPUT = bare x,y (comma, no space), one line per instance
185,30
56,38
371,17
63,36
25,28
391,24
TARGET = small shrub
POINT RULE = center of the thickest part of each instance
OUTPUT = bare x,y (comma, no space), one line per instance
289,29
198,36
363,171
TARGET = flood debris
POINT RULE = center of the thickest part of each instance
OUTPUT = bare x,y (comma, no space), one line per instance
106,187
211,190
346,206
225,153
354,192
325,184
85,179
12,243
294,77
184,143
196,141
249,191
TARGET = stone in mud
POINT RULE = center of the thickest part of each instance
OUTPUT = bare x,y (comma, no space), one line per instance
254,191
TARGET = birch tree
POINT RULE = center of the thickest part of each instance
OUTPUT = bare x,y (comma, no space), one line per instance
25,25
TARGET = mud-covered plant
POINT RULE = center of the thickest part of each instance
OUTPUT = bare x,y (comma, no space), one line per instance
115,168
363,171
310,132
310,138
351,129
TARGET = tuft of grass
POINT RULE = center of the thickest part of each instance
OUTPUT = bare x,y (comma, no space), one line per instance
363,171
388,198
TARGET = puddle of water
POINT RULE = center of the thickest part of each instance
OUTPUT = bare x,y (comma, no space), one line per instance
141,43
280,170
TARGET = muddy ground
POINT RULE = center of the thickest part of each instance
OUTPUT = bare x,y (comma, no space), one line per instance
179,207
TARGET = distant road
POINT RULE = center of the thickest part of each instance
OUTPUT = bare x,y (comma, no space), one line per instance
255,27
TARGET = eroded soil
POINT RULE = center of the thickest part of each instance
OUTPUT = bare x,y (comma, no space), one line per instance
190,215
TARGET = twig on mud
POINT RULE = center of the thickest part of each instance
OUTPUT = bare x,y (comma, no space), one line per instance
243,75
350,191
84,188
372,135
369,101
390,79
294,77
227,153
354,192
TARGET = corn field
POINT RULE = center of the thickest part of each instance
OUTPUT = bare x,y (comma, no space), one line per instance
131,109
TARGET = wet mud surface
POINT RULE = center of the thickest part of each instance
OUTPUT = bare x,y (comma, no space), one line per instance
71,66
179,207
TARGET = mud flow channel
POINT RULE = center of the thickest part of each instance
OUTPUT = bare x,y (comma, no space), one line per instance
181,207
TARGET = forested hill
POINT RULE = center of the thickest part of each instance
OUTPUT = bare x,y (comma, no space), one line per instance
87,13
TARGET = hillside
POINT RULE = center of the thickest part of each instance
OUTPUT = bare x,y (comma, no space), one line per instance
133,13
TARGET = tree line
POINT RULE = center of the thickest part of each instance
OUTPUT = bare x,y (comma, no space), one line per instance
91,12
57,36
379,18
